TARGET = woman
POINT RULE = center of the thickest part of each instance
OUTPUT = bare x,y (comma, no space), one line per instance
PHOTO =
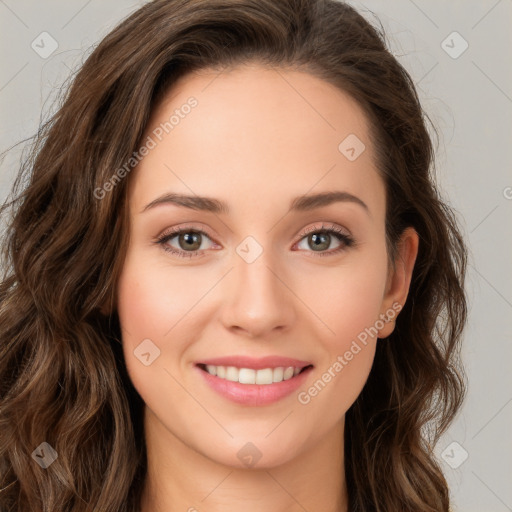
230,279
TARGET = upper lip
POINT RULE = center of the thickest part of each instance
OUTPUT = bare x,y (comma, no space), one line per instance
255,363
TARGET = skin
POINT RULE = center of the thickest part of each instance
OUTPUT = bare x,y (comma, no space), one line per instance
258,138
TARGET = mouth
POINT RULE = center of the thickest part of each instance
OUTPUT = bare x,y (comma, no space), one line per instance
262,376
264,384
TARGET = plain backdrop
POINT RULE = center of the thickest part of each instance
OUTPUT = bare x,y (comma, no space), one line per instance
459,54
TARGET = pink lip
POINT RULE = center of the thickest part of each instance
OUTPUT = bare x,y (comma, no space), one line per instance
254,394
256,364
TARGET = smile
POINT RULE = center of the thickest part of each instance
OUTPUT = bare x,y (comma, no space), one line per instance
263,376
253,387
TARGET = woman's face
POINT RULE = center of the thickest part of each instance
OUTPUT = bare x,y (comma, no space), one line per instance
255,278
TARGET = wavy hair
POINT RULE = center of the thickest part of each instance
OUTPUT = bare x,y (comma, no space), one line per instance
63,380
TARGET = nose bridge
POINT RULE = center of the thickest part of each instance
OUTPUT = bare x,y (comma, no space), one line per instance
260,301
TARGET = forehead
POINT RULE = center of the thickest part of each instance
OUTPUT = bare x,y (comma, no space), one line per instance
257,132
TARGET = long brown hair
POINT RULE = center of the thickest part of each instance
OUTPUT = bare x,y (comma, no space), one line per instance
62,375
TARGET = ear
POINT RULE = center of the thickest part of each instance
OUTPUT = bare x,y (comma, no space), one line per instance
399,279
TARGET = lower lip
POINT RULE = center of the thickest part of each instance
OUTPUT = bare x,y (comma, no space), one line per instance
254,394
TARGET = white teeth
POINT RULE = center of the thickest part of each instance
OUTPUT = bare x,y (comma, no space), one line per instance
232,374
288,373
250,376
265,376
247,376
278,374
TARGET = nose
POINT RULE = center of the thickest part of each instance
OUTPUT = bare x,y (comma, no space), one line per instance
259,298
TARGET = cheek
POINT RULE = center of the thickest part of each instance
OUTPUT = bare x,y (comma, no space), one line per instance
348,303
351,311
348,298
162,305
150,303
152,298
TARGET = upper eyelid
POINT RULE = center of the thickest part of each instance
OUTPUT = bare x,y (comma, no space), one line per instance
326,226
172,232
311,229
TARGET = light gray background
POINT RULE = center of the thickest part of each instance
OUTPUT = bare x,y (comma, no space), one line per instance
469,99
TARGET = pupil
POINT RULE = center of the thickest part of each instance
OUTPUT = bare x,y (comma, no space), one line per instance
320,240
191,238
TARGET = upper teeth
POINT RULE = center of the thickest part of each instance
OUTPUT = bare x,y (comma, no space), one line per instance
250,376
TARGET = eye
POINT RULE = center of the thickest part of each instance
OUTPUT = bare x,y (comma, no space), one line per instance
189,242
321,239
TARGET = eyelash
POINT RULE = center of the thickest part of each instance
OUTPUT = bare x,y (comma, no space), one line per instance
347,241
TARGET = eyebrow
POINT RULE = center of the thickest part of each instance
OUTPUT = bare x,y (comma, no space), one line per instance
299,204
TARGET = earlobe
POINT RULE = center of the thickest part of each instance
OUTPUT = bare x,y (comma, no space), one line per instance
389,327
399,279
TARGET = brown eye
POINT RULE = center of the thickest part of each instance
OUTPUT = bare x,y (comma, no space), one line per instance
320,241
186,242
189,241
